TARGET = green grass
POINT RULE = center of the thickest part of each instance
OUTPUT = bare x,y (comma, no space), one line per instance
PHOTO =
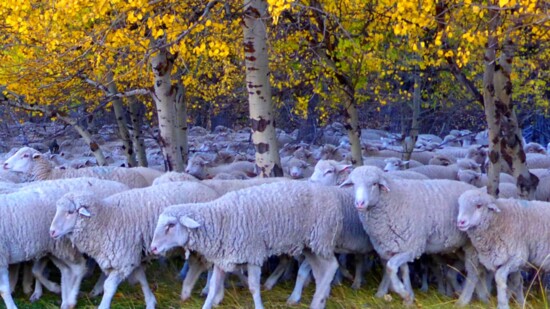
166,286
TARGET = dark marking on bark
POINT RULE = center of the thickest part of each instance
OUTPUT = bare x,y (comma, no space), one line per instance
494,156
261,148
252,12
497,68
159,83
252,69
522,156
508,87
262,98
491,89
123,147
94,146
251,58
130,151
249,47
348,127
505,155
258,92
119,118
259,125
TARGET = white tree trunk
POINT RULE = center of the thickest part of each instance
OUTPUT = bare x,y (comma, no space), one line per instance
165,100
259,89
181,123
136,116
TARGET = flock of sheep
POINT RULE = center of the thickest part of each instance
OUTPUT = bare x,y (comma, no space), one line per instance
436,211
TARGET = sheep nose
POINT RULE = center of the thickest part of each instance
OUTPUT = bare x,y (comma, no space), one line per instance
52,233
360,204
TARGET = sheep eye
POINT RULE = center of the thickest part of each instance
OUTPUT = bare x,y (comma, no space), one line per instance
169,226
329,172
478,206
70,212
26,155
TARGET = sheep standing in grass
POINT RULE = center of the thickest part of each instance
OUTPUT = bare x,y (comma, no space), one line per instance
250,225
35,166
24,220
407,218
508,235
117,231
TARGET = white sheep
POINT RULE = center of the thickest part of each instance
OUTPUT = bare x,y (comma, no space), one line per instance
296,168
202,169
250,225
174,177
25,216
35,166
407,218
117,231
441,159
507,187
396,164
508,235
330,172
534,148
537,160
407,174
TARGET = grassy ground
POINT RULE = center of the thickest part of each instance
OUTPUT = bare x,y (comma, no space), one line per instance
167,288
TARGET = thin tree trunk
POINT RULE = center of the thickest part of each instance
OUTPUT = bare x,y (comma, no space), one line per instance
354,132
121,123
512,153
491,112
165,95
136,117
181,123
259,89
410,141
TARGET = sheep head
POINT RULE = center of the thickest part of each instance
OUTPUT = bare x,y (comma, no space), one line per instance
369,183
172,231
23,160
473,207
69,208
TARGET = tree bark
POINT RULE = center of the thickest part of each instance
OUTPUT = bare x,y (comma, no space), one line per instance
354,132
124,135
259,89
136,116
181,123
512,152
410,141
165,95
492,114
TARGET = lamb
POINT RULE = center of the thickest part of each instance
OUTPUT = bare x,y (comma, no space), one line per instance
506,189
201,168
25,217
402,226
174,177
330,172
508,235
296,168
35,166
117,231
395,164
536,160
306,216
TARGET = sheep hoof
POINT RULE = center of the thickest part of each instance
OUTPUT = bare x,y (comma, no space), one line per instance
34,297
292,301
356,286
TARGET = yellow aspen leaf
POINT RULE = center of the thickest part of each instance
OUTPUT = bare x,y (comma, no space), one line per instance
503,3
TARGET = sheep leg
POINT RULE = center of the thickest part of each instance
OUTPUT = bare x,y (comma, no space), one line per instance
516,286
184,270
392,268
195,269
27,278
5,290
13,270
216,283
501,279
71,278
109,289
204,291
303,275
270,282
358,278
254,277
384,286
323,270
471,263
406,277
38,272
98,287
139,276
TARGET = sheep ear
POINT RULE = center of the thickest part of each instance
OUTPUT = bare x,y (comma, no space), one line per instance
84,212
347,183
384,185
493,207
36,156
189,223
343,167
